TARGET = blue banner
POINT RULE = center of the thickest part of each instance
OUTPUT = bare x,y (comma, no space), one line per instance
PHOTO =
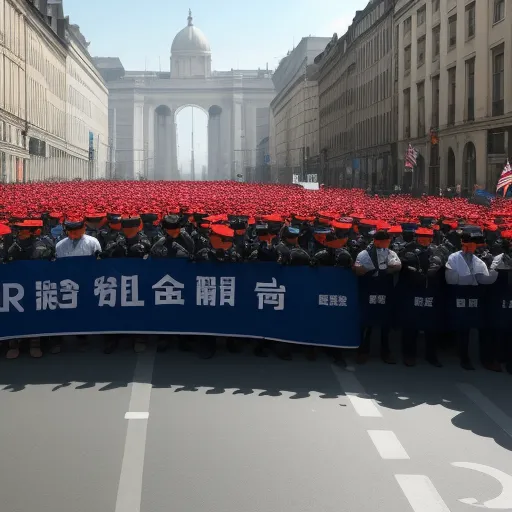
262,300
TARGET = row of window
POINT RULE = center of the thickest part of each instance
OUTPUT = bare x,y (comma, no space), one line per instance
12,30
12,87
498,95
79,101
11,134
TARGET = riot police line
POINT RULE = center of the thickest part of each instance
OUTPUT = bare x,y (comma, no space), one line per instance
440,277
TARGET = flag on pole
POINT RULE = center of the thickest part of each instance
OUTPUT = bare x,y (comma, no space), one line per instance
411,156
505,179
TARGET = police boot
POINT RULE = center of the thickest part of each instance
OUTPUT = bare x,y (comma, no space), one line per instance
259,349
14,349
311,353
233,346
35,348
283,352
110,345
139,345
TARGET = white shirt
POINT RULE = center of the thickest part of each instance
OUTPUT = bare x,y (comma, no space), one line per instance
85,246
465,269
385,257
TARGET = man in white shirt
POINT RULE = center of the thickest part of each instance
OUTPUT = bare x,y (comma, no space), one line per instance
77,243
465,269
376,267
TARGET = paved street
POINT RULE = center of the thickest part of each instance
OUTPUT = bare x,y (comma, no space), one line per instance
240,434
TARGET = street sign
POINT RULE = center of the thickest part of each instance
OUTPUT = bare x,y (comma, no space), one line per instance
267,159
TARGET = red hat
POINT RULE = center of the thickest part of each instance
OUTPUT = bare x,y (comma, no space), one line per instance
341,225
275,217
507,235
383,225
222,230
370,222
217,218
29,224
425,232
329,215
395,230
56,215
4,230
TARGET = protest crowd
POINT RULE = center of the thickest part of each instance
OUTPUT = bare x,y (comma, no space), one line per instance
432,267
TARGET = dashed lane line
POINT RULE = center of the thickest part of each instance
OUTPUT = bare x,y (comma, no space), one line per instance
421,493
350,385
388,445
129,491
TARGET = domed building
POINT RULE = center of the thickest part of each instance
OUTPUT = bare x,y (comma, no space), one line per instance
191,56
143,106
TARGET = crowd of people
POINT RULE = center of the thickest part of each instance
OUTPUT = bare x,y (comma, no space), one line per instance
438,276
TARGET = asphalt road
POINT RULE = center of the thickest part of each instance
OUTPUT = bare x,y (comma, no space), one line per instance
241,434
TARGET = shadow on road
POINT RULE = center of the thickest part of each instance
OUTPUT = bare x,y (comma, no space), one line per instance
393,387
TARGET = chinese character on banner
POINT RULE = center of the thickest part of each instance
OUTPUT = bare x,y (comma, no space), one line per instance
106,290
373,299
270,294
381,299
419,302
46,296
227,291
323,300
342,301
461,303
206,291
473,303
429,302
130,292
168,292
333,300
69,294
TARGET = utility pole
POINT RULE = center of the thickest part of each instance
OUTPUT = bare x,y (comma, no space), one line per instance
192,162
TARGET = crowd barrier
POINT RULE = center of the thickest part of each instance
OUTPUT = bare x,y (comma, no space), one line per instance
317,306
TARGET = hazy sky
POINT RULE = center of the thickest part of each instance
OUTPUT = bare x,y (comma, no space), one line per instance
242,34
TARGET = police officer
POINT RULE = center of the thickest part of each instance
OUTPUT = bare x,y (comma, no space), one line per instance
419,295
175,243
376,267
466,273
111,237
151,226
28,245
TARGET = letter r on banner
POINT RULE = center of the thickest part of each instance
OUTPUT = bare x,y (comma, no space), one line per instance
13,300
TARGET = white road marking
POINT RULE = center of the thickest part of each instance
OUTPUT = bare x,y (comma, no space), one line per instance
504,500
488,407
388,445
421,493
136,416
355,392
129,491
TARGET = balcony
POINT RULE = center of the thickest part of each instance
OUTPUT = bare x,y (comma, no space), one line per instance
451,115
471,109
498,108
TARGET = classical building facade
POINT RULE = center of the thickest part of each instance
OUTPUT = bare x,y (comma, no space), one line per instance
143,107
294,141
42,59
356,108
452,66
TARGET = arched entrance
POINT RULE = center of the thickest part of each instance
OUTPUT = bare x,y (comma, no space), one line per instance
450,174
469,171
192,142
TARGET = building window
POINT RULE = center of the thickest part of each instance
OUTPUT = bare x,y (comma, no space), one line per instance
435,7
420,16
407,113
470,89
435,101
498,88
407,26
496,142
452,32
470,21
452,89
421,109
436,41
421,51
499,10
407,58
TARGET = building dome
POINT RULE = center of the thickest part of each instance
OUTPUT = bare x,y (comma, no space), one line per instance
190,40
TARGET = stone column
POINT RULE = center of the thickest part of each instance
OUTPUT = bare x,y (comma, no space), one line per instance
214,145
149,141
172,172
138,139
